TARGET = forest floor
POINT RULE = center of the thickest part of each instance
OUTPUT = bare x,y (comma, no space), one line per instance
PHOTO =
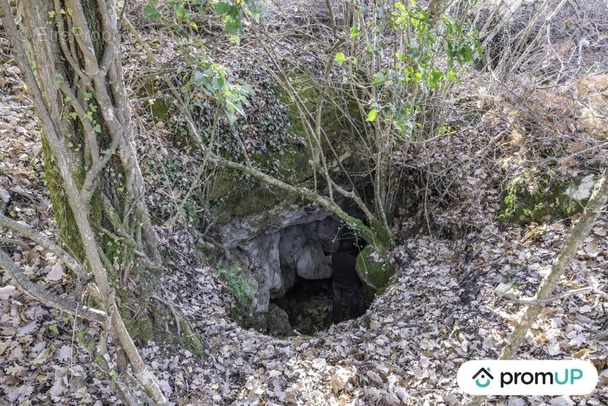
441,309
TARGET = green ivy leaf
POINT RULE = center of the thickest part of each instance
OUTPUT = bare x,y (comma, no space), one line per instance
151,12
340,58
378,79
222,8
372,115
198,76
354,32
232,26
180,12
58,81
254,10
231,116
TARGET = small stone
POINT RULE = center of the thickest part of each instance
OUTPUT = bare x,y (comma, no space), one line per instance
278,321
14,70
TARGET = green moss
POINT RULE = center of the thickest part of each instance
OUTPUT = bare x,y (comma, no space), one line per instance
549,201
333,120
235,196
141,327
152,323
159,107
242,287
375,268
69,235
191,340
367,322
382,234
160,110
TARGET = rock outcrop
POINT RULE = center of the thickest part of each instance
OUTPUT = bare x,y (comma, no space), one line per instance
277,245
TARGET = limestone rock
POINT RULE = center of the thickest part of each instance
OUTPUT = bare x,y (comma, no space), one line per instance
278,321
277,245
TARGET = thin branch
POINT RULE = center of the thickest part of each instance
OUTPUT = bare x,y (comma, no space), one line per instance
69,56
48,298
12,241
80,110
30,233
552,298
332,19
173,312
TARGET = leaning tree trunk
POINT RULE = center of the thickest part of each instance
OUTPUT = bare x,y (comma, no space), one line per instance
91,168
595,206
69,51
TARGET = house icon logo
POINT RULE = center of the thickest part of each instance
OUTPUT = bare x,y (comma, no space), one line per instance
483,378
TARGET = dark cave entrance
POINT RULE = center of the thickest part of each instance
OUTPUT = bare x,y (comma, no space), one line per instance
304,303
290,265
309,304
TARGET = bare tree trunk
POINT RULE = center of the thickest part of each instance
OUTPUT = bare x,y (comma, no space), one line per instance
69,52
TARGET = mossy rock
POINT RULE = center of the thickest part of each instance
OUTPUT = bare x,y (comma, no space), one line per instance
384,236
234,196
375,268
550,200
243,287
160,110
308,91
339,114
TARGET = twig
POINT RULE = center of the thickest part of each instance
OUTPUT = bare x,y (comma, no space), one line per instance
12,241
173,311
48,298
38,238
555,297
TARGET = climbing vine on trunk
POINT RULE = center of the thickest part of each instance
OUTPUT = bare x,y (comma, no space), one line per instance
70,53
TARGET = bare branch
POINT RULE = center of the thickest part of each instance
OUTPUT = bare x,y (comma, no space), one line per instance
48,298
552,298
40,239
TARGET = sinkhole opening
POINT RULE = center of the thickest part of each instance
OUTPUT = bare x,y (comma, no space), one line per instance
309,307
292,274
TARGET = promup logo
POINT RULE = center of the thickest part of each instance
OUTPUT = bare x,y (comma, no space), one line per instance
527,377
483,375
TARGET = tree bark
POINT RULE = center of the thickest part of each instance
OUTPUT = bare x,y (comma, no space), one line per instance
68,51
